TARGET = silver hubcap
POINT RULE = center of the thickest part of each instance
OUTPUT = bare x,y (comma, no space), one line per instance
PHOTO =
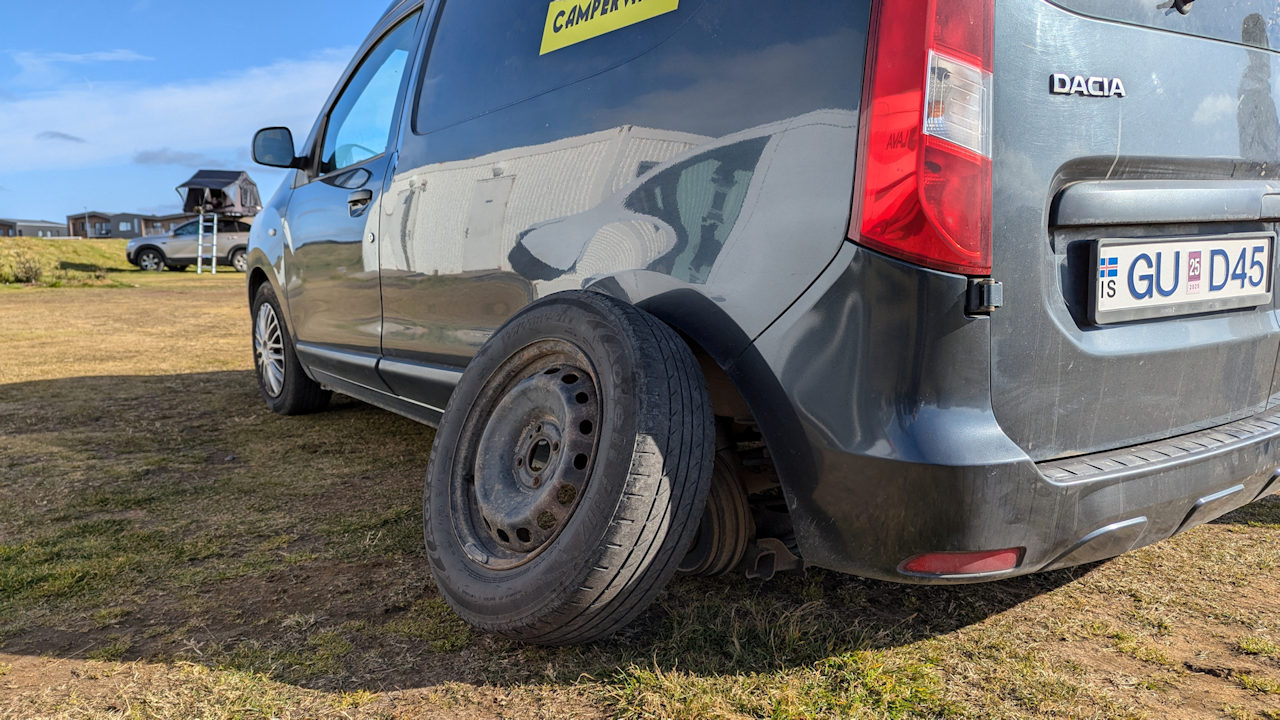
149,261
268,349
238,262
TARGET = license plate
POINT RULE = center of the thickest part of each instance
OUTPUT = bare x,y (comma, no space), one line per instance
1133,280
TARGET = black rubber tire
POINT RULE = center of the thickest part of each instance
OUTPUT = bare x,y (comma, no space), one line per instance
157,263
640,505
299,394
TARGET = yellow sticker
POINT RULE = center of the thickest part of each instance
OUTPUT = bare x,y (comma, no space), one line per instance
572,21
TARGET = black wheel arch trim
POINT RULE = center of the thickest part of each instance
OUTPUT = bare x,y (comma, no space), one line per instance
709,328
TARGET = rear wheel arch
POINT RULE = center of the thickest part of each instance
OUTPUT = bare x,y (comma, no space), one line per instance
740,383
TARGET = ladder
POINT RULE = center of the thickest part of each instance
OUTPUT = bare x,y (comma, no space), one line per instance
213,245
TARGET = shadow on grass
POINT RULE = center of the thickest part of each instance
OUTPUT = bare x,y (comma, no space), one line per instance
165,518
85,267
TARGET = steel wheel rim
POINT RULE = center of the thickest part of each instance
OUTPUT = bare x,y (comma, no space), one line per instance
149,261
268,349
527,451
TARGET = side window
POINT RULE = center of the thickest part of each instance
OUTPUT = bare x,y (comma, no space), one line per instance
359,125
186,228
486,55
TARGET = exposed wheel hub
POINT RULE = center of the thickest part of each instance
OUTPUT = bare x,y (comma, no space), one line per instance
533,461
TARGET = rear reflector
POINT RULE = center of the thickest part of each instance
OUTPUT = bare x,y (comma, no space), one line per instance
924,180
954,563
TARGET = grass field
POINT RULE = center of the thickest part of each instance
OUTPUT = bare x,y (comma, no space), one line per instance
169,549
48,262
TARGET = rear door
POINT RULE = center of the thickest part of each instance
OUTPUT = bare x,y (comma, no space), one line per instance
1131,139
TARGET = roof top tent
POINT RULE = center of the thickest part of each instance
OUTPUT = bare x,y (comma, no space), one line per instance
229,193
226,192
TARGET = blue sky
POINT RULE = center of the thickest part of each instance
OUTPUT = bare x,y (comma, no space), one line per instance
110,105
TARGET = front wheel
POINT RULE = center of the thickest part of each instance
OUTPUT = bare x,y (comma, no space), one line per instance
150,260
569,472
283,384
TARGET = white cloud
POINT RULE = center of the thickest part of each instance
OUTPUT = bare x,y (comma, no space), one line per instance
1214,109
211,115
42,69
26,59
165,156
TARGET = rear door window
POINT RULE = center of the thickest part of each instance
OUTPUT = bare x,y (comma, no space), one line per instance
1248,22
486,55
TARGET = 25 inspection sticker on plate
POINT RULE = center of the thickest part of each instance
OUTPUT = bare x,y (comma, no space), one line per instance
1155,278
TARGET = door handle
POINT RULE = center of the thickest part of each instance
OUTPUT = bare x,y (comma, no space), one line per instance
358,201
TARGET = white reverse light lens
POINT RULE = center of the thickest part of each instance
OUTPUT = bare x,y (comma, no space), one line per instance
957,104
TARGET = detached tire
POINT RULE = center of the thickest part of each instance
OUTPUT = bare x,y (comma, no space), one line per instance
282,382
569,472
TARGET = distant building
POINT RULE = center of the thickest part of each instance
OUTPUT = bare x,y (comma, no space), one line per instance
164,224
93,224
31,228
90,224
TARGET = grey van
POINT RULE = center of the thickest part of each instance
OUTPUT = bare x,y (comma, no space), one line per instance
920,290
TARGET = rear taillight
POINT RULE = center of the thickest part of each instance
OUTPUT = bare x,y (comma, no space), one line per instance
924,180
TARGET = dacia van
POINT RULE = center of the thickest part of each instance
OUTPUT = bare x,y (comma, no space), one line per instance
930,291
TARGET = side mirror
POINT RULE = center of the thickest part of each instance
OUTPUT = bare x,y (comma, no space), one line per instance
273,147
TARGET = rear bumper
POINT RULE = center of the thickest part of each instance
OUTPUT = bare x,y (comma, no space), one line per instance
882,431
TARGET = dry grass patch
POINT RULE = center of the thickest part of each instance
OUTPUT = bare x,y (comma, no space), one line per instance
168,548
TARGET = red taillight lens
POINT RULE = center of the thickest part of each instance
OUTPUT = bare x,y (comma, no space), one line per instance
925,164
954,563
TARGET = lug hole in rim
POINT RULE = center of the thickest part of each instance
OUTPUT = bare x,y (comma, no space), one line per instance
566,494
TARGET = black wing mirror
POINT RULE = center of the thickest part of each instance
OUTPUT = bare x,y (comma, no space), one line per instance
273,147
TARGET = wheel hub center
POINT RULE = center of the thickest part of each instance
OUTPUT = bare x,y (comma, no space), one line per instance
539,454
